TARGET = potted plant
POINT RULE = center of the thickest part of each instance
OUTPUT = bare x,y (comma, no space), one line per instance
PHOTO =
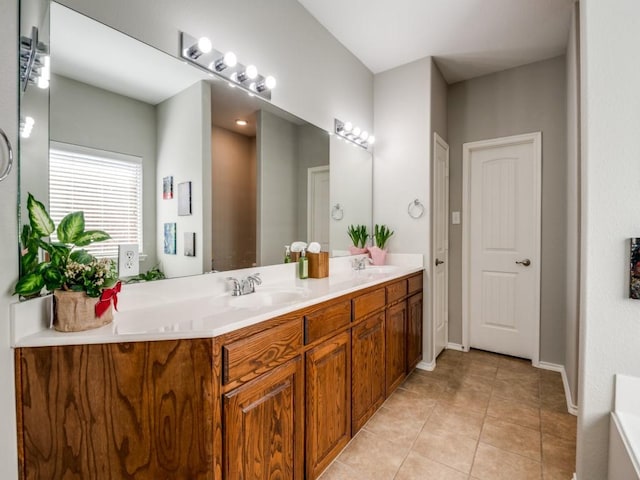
381,235
84,286
359,236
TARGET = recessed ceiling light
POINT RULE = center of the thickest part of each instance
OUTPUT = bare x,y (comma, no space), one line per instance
241,123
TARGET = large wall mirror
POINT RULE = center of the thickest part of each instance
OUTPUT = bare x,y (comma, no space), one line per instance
204,176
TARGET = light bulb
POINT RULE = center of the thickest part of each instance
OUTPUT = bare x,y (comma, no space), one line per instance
204,45
364,135
356,131
347,127
270,82
230,59
372,140
251,72
241,122
43,83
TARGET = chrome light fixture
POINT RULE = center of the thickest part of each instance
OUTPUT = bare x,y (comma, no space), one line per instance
35,66
358,137
225,65
26,126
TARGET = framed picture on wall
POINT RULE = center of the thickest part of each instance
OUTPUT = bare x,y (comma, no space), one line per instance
184,198
170,238
167,188
634,269
189,244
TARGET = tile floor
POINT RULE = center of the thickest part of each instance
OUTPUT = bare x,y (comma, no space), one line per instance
478,416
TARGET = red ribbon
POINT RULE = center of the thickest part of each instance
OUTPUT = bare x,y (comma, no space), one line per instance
105,299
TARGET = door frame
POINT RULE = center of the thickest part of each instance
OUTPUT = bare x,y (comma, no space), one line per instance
312,172
535,139
437,139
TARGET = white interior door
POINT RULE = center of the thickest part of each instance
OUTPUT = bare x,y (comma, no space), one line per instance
318,206
501,233
440,243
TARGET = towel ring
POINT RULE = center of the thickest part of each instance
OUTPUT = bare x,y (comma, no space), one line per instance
337,213
415,209
7,170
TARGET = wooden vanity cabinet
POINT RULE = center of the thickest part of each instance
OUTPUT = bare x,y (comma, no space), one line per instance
368,369
120,410
414,331
328,402
263,424
395,346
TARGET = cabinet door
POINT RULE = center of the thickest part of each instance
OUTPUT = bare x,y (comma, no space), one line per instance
414,331
263,426
328,412
395,346
367,370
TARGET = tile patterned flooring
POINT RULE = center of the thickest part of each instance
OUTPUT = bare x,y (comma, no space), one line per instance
478,415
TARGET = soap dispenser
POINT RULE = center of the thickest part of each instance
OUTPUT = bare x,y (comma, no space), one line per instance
287,254
303,265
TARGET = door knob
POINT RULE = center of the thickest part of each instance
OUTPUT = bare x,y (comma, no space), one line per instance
438,262
526,262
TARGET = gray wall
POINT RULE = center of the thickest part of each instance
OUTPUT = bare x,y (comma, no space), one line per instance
233,201
277,150
439,89
520,100
184,152
85,115
573,208
313,151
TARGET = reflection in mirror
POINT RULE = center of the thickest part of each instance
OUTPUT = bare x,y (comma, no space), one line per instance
254,187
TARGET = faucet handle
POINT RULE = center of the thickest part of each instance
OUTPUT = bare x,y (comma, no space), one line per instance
237,287
255,278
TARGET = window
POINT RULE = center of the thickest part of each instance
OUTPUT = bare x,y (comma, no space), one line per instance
106,186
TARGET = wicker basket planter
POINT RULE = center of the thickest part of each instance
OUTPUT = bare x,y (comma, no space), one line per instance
75,312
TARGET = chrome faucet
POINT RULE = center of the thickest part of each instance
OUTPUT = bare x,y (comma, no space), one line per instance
360,263
246,285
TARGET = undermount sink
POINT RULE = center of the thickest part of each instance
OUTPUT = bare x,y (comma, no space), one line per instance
380,269
267,297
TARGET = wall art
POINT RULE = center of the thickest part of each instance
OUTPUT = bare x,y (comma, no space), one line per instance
634,269
189,244
184,198
167,188
170,238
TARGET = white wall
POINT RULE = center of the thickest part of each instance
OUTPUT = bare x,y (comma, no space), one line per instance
123,125
402,106
184,152
277,162
351,185
610,116
573,210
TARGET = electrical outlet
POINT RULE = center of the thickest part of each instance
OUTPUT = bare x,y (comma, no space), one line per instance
128,260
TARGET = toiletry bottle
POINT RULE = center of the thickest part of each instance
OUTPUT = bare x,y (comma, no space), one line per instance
303,265
287,254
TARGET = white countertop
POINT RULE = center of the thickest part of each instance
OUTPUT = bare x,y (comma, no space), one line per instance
201,306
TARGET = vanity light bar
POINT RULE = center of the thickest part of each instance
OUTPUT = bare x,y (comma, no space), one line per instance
225,65
34,61
353,134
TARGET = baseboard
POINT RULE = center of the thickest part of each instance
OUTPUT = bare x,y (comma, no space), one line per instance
455,346
426,366
571,407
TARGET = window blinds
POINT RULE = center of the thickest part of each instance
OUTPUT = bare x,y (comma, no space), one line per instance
106,186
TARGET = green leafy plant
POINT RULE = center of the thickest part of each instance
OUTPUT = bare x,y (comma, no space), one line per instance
66,266
358,234
152,274
381,235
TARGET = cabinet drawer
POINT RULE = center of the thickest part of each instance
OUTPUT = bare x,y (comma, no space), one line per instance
396,291
327,320
415,283
252,356
370,302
